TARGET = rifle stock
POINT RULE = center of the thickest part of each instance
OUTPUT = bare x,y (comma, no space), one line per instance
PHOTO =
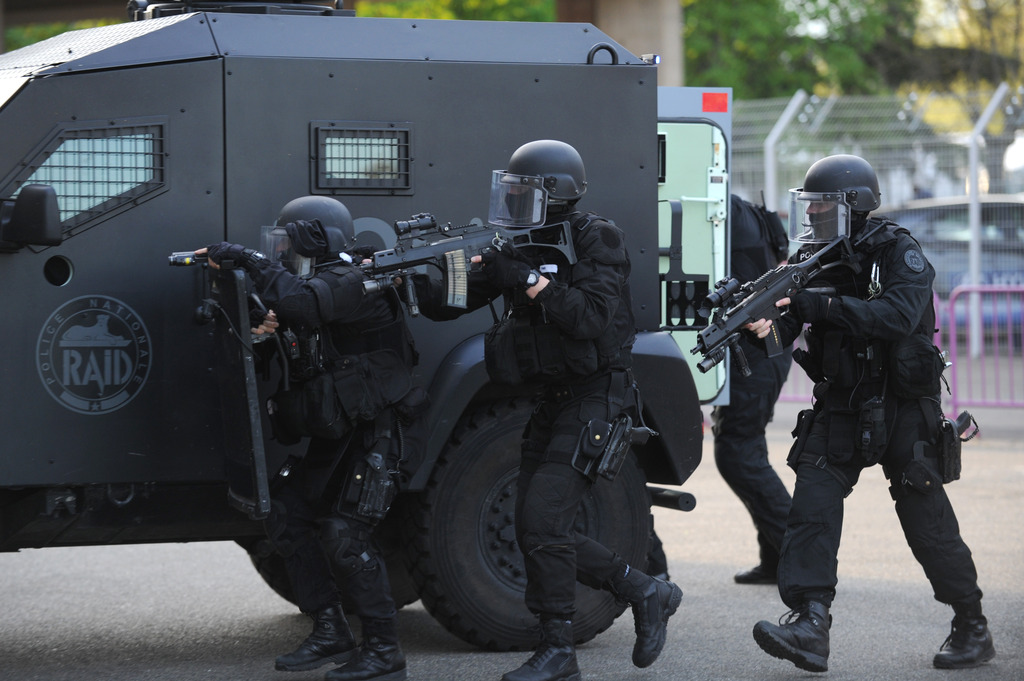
737,305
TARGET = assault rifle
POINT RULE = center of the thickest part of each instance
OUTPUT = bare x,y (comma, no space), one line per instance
737,305
422,241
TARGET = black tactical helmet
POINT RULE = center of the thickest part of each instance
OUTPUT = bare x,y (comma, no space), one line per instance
851,175
565,178
332,214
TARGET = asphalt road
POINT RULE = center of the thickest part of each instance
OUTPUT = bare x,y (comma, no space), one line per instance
183,612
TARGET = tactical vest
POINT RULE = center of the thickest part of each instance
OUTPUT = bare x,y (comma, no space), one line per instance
525,347
344,373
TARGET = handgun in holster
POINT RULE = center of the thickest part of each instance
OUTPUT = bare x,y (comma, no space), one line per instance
378,489
603,446
950,439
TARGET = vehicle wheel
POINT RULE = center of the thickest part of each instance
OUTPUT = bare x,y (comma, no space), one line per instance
270,564
466,561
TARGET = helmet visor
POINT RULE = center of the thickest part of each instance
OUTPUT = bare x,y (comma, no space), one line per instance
517,201
818,217
277,245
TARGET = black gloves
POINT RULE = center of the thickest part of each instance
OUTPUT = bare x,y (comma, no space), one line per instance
809,307
229,255
504,270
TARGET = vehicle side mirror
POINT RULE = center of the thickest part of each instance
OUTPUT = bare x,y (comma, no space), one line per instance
31,219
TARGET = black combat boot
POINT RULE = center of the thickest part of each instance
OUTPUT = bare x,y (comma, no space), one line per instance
969,643
555,658
654,601
378,657
759,574
331,641
803,639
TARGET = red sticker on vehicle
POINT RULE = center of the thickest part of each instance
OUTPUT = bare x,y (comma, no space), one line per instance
716,102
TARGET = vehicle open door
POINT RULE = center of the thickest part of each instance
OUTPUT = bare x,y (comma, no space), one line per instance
694,129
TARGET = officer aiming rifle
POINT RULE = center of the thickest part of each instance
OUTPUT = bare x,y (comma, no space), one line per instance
421,240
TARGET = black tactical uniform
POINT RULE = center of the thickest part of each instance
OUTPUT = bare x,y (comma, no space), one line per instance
877,381
741,451
572,340
326,505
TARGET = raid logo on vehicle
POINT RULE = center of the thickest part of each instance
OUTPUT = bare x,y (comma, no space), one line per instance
93,354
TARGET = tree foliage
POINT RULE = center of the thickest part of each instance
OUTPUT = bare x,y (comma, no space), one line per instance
749,47
770,48
20,36
965,41
484,10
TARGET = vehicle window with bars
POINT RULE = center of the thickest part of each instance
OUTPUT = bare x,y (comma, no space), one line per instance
97,171
362,159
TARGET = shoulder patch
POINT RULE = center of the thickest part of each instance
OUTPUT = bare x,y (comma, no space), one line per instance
914,260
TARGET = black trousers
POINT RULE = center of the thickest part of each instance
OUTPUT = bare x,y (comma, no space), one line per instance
549,492
808,565
328,549
741,451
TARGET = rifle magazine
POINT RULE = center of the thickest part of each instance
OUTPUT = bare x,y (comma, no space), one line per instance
456,279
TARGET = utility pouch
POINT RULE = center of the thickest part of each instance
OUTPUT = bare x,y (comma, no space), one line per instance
377,491
308,409
590,447
327,405
800,433
843,435
367,384
873,435
517,351
916,368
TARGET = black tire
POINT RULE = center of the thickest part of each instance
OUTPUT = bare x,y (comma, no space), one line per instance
270,565
466,562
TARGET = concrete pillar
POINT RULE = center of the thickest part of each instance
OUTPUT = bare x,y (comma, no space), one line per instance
645,26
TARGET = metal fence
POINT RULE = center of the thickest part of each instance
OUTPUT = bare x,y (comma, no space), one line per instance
951,169
919,144
989,376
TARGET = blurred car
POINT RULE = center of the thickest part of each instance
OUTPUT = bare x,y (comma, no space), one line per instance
942,227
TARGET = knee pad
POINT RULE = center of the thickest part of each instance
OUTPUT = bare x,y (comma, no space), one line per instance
344,549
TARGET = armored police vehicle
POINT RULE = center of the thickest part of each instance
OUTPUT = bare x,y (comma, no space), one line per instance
128,416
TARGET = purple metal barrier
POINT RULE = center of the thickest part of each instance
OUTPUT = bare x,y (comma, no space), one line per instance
990,371
993,376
